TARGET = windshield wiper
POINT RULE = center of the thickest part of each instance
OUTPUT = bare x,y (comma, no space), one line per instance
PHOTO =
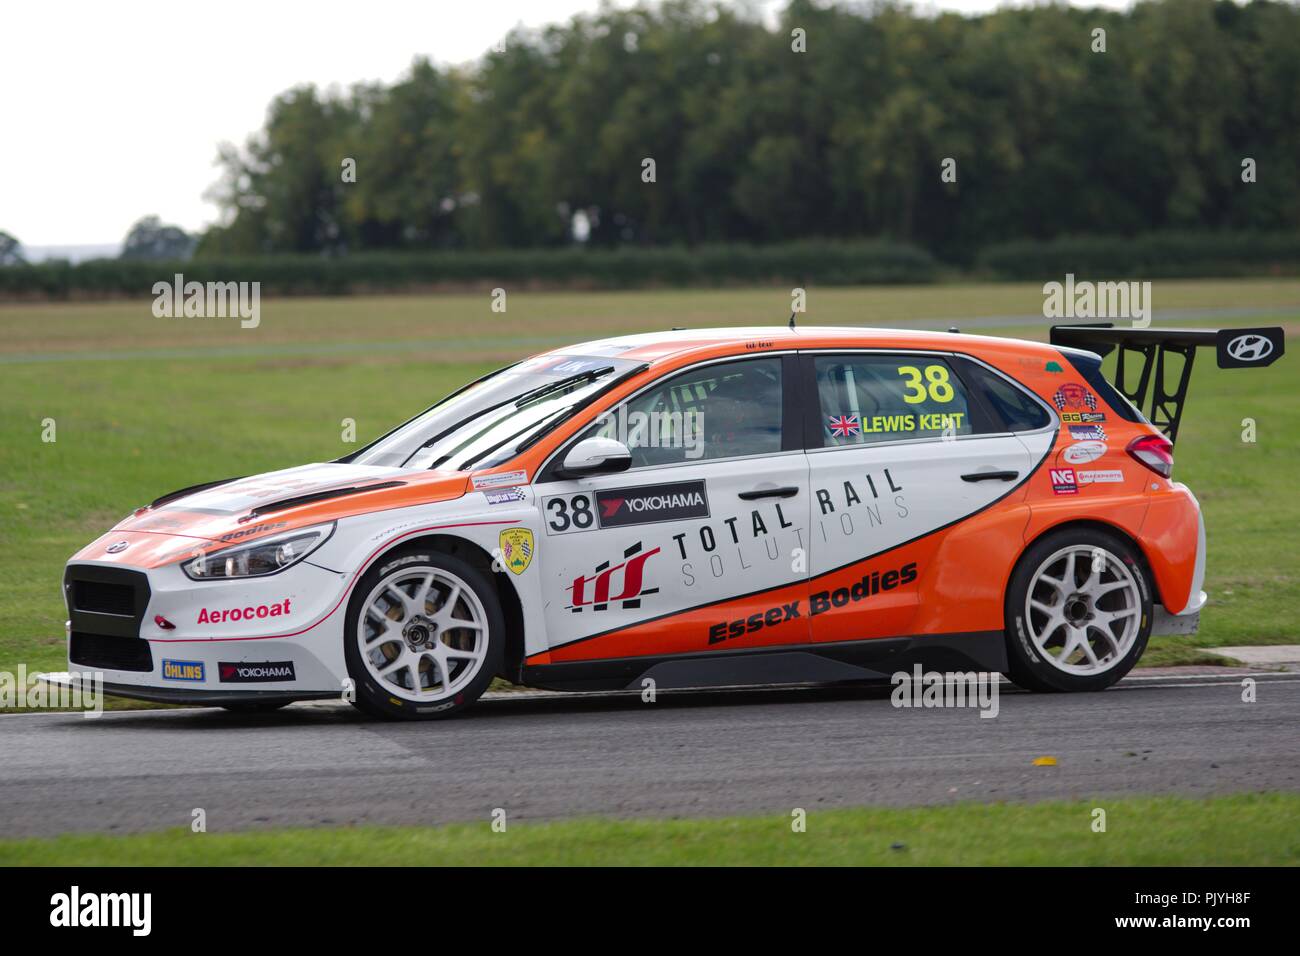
555,423
524,399
542,391
558,416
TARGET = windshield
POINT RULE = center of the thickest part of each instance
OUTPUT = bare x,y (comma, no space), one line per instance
484,424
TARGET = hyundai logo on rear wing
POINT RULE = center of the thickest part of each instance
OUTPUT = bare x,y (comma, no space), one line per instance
1248,348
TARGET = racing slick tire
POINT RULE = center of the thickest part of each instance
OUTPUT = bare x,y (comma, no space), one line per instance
424,635
1078,611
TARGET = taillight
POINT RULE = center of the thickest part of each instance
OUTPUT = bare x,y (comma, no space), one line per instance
1154,451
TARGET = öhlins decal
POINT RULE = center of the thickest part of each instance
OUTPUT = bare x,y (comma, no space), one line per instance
183,670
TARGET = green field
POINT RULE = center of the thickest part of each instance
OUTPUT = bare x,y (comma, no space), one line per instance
1249,829
143,405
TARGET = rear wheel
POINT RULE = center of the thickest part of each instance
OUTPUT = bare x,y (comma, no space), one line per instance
1078,612
425,636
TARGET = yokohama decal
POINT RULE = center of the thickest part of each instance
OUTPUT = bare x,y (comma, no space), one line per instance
651,503
255,673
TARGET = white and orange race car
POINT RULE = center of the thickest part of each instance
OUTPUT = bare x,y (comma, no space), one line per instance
694,508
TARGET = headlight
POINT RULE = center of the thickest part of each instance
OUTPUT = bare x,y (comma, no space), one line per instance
266,556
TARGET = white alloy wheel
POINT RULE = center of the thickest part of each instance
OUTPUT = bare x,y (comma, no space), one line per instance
1084,610
422,634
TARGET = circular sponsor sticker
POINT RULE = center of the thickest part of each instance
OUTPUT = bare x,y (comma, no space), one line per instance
1082,452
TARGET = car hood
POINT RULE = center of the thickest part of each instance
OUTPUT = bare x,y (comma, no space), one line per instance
246,509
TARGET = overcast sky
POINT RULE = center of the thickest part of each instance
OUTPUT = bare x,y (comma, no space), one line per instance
112,111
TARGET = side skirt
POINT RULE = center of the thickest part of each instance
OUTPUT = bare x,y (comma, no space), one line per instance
873,660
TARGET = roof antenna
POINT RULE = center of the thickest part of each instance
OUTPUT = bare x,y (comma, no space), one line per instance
792,315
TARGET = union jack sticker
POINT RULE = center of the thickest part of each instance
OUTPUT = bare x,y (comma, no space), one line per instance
842,426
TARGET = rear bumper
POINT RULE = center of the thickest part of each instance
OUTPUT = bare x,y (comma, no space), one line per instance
1188,621
1173,538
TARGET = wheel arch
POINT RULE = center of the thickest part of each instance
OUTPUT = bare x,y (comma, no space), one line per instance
1096,524
476,556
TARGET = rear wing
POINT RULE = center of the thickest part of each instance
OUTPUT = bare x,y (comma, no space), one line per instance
1234,348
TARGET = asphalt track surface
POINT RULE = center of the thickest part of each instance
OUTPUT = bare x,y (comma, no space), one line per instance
688,754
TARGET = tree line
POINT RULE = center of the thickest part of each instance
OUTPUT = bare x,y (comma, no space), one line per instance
694,123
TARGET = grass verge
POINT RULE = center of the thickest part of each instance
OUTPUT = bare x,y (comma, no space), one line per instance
1240,830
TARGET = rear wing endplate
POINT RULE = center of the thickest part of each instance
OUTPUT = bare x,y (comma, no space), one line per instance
1234,348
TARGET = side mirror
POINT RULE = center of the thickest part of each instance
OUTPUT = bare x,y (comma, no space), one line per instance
596,456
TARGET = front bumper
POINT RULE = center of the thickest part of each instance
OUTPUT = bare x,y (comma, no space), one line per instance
152,634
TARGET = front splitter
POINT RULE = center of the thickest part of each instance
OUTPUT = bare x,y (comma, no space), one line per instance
185,695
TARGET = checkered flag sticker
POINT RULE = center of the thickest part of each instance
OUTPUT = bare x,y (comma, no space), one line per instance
1071,395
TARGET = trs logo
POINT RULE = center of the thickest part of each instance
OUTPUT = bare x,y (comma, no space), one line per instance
594,591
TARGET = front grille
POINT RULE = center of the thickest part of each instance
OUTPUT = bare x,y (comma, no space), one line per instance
106,600
103,598
109,652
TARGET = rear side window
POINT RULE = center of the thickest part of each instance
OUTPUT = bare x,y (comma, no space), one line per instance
1012,408
863,399
1089,367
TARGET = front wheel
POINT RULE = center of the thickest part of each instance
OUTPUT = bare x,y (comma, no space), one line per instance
1078,612
425,636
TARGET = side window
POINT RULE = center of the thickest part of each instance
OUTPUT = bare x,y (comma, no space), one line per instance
725,410
876,398
1016,411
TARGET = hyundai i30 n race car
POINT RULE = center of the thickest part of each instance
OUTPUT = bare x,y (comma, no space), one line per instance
696,508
